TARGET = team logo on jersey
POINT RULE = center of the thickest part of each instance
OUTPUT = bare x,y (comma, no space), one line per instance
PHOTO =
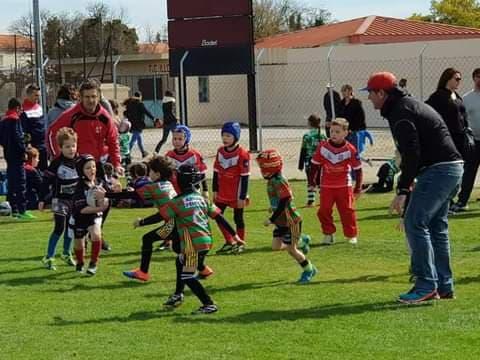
335,158
226,163
188,161
67,173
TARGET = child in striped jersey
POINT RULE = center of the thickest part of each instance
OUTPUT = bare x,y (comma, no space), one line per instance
191,212
285,217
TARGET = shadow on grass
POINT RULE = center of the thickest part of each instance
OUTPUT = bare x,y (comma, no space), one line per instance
317,312
385,216
21,222
33,280
86,287
475,249
467,280
136,316
465,215
360,279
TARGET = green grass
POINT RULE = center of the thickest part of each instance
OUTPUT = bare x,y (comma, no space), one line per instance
347,312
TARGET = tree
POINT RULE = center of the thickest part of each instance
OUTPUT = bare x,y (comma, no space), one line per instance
276,16
453,12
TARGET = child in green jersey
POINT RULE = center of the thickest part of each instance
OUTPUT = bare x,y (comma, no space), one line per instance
310,141
285,217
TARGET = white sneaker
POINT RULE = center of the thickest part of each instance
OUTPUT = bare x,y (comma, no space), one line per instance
328,240
352,240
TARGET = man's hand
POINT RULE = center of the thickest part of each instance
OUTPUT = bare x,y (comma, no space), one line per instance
398,204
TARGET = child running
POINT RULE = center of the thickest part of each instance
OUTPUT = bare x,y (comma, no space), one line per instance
231,171
87,217
191,212
60,179
310,142
335,160
285,217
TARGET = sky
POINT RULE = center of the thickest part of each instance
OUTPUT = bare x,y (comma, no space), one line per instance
152,13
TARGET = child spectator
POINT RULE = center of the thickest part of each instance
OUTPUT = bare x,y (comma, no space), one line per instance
33,177
386,177
87,217
138,179
310,142
13,141
60,179
285,217
231,172
191,212
335,159
124,138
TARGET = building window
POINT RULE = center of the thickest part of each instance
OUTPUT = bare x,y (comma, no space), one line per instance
203,89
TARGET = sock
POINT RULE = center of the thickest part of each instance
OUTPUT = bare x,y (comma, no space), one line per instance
241,233
96,247
306,265
67,244
79,254
199,291
146,258
180,285
311,196
226,235
52,244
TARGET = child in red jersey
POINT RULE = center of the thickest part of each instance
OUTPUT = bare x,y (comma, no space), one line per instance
285,217
231,171
335,159
183,154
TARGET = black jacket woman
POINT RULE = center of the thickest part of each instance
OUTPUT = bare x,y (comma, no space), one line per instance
449,104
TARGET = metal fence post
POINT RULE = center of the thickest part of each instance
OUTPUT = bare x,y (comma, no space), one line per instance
115,77
259,118
421,71
183,91
330,84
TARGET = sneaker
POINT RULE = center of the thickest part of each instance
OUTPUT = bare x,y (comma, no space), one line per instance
68,259
418,296
458,207
205,309
137,274
309,203
92,269
328,240
79,268
205,273
226,248
174,301
307,276
49,263
237,249
449,295
304,245
106,246
27,215
353,240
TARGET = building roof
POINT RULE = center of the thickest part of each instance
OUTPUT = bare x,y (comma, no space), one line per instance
153,48
368,30
7,42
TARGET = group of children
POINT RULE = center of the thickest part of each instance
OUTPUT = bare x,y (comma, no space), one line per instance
176,185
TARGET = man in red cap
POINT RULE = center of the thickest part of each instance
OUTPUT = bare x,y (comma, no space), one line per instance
429,156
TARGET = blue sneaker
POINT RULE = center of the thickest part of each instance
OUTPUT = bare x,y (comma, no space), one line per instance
304,244
307,276
415,296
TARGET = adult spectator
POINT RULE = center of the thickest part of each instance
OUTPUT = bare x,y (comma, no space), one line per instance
65,100
327,106
136,112
471,101
351,109
34,123
97,133
402,84
429,155
449,104
169,118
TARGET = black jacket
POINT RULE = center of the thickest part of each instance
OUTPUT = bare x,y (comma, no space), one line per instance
453,113
327,104
168,109
136,112
420,134
354,113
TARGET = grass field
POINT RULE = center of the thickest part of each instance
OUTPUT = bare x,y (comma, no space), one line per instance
347,312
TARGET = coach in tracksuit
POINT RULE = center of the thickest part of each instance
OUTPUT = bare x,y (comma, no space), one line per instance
13,142
429,156
34,123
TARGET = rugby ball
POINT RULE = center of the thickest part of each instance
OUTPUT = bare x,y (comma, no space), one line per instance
91,199
5,209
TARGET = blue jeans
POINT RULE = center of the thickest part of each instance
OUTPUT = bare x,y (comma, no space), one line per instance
137,136
426,226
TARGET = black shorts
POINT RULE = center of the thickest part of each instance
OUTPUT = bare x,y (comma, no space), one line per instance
288,234
82,222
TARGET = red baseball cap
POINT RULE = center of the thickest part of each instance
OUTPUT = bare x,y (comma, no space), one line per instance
381,81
